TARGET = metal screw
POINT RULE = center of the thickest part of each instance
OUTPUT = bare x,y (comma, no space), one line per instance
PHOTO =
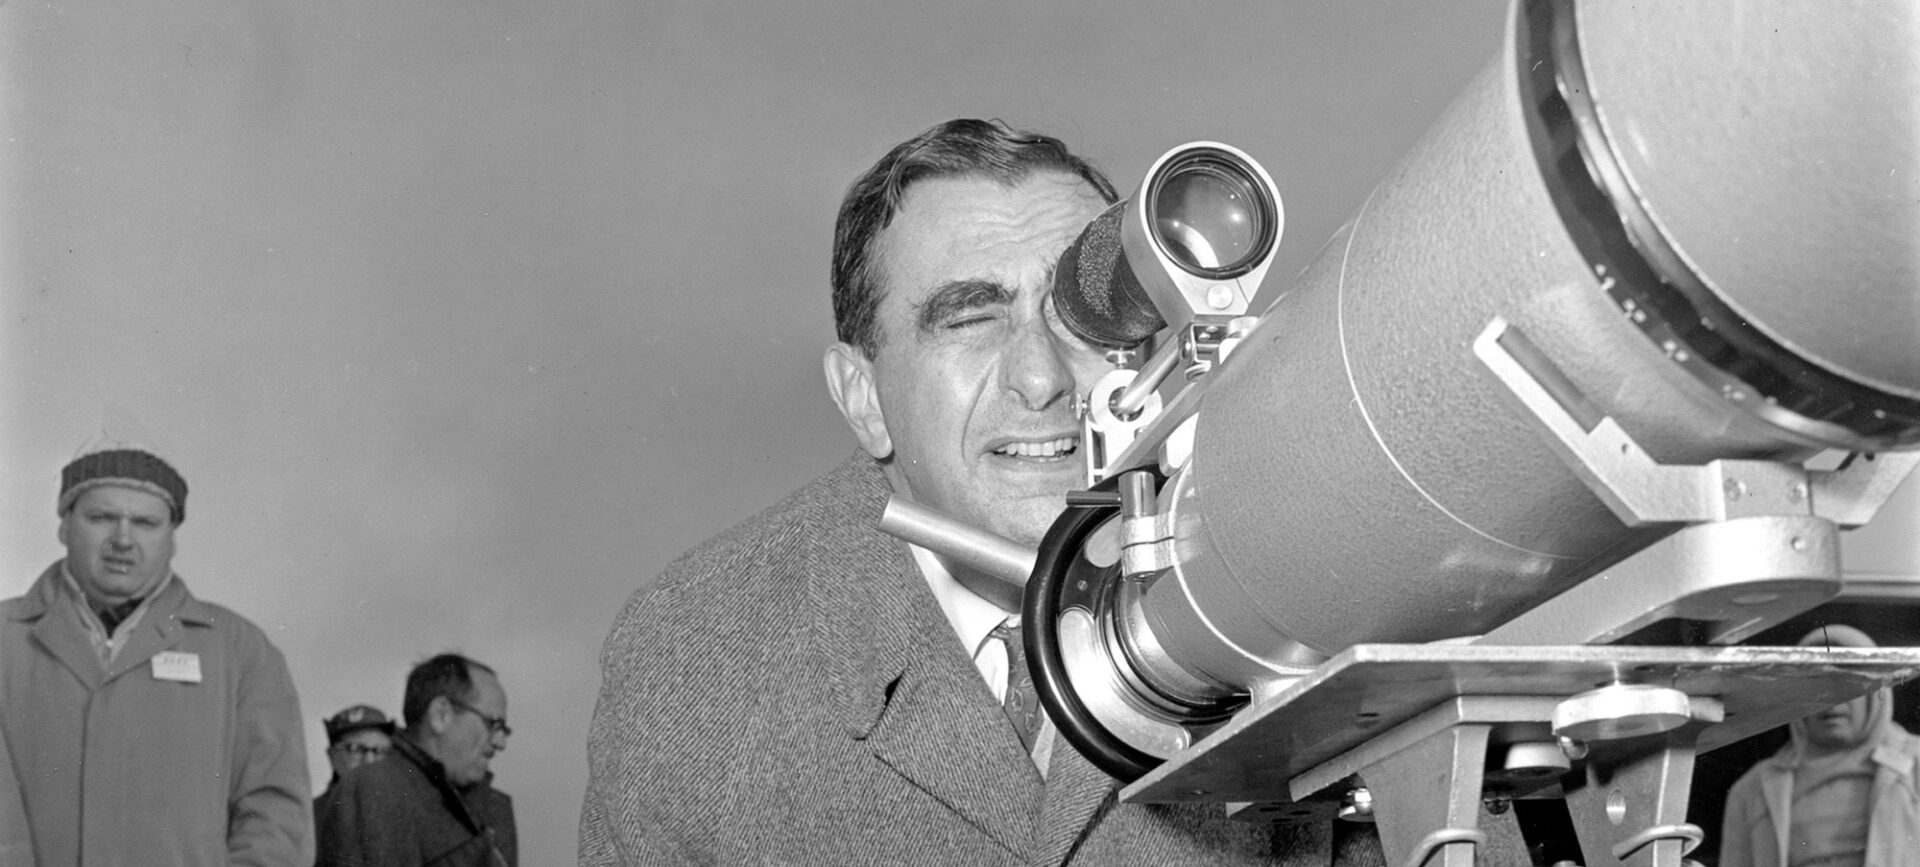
1219,296
1357,805
1575,750
1498,804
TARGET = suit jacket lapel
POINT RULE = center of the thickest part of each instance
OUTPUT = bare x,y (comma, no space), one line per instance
957,747
900,679
1076,791
858,614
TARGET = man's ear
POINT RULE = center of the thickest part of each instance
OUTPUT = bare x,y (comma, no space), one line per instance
439,713
850,379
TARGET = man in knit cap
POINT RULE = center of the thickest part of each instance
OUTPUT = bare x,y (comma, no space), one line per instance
1845,790
145,726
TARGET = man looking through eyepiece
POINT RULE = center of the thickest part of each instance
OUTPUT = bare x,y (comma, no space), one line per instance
804,689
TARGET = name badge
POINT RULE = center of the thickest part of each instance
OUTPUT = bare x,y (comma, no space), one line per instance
176,665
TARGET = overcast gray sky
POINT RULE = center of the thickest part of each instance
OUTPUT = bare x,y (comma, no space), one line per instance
462,319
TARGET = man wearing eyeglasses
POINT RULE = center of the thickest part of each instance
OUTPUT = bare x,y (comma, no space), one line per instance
355,736
431,800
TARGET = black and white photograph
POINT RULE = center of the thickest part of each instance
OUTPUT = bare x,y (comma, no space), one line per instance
1299,432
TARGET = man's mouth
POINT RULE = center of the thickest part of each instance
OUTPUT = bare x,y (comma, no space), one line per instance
118,564
1043,449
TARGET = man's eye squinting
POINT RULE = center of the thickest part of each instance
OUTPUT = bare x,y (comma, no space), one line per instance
961,322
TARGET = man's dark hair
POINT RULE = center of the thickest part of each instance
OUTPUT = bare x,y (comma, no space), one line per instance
964,147
449,675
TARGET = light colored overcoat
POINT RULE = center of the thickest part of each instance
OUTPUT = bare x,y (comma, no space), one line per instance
1756,829
120,768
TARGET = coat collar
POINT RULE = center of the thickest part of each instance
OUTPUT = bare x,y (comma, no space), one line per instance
451,796
901,683
58,628
856,584
1894,758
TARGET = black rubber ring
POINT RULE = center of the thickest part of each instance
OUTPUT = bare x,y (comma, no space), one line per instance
1059,552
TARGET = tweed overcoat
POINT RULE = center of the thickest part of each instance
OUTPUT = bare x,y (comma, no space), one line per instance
120,766
790,693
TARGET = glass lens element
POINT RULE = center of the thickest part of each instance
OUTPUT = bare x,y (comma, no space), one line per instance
1208,217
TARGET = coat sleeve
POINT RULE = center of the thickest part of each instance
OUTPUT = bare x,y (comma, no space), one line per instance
601,846
596,838
619,825
271,821
16,838
603,842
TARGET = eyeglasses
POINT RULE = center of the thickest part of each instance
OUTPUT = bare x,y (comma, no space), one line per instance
495,724
365,751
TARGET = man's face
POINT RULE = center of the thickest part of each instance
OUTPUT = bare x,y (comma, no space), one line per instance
1840,727
972,387
358,747
467,744
119,542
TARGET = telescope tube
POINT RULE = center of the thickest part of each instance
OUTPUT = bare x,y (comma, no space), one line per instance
1706,215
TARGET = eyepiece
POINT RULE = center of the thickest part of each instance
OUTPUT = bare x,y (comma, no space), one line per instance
1195,239
1095,290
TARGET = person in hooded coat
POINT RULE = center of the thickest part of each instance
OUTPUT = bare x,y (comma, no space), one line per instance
1843,792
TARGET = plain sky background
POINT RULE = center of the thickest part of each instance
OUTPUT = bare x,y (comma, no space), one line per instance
462,319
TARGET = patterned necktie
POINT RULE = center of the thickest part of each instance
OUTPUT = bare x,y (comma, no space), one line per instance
1021,704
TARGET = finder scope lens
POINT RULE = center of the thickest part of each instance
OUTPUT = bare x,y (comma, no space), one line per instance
1210,215
1206,219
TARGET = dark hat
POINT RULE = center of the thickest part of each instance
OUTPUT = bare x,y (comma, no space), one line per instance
360,716
133,468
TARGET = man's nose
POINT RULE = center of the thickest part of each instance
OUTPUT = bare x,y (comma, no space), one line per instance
122,534
1036,365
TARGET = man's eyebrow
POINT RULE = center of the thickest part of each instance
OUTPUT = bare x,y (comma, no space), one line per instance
956,296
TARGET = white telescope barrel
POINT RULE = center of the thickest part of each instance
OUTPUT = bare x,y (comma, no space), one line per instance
1358,476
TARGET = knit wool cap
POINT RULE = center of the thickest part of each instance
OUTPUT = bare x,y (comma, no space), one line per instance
132,468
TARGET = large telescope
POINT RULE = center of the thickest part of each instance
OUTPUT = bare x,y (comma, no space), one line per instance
1482,503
